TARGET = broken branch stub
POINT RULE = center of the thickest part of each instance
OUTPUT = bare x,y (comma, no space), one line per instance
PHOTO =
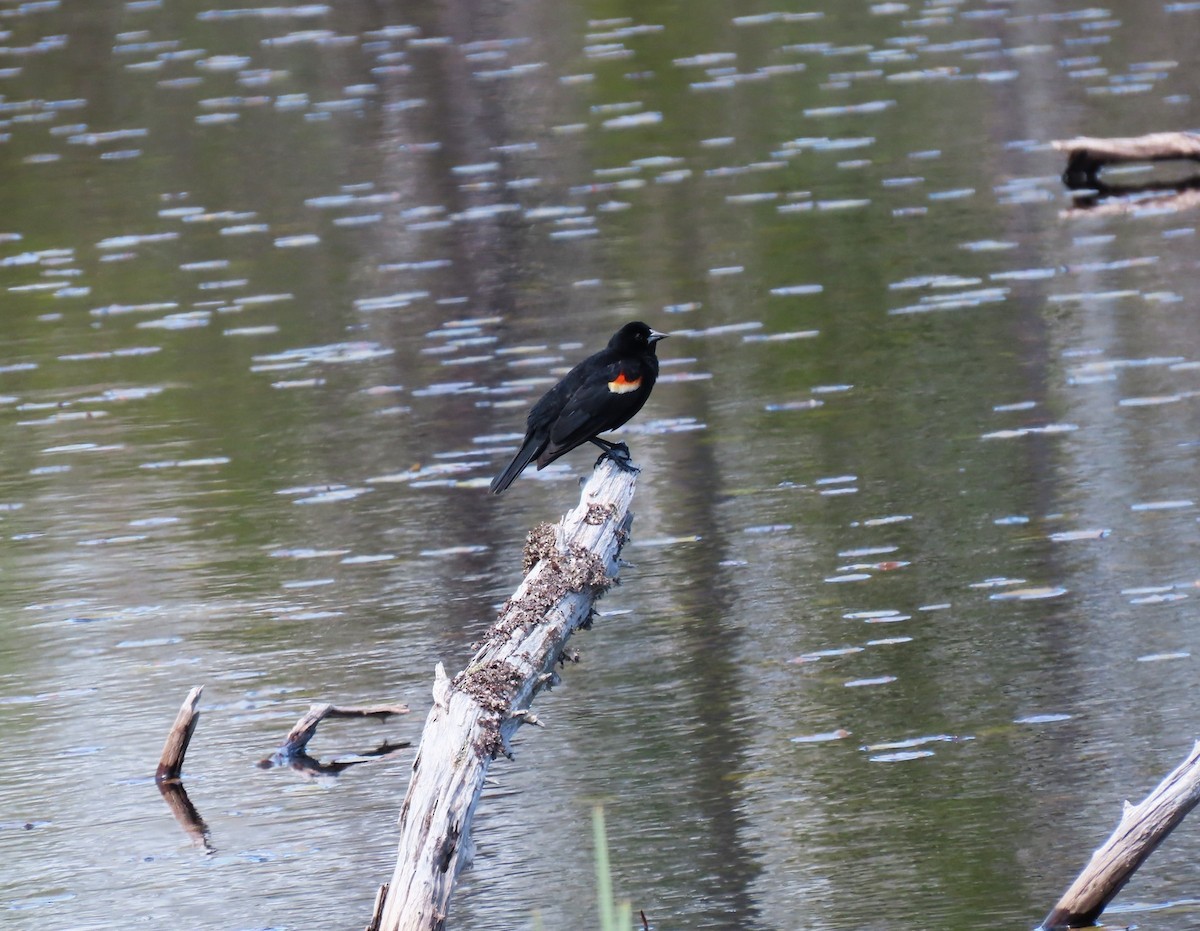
170,763
475,715
1142,828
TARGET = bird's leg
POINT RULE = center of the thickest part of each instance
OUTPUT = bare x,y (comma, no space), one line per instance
607,445
618,453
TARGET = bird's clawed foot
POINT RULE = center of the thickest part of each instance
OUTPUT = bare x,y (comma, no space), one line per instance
618,453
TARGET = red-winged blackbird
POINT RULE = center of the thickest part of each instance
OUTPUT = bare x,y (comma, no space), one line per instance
600,393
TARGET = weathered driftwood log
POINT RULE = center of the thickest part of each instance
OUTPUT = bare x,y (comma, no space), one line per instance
475,715
1143,827
170,764
1086,155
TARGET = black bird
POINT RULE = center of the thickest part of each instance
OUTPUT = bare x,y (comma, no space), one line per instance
600,393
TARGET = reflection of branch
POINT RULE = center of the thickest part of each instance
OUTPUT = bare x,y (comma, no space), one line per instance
1143,827
171,762
1086,155
311,768
293,751
1160,197
185,813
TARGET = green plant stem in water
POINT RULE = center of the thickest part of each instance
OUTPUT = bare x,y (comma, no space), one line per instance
608,920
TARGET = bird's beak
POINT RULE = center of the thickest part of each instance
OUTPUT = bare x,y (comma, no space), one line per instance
655,336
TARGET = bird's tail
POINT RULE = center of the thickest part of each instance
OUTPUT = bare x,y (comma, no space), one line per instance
524,456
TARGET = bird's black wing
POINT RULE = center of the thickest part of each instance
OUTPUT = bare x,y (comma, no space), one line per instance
542,416
594,407
548,407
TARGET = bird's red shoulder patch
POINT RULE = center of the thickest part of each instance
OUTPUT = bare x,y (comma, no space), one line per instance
622,384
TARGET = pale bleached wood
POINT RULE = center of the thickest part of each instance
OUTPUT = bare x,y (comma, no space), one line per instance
1087,154
1148,148
1143,827
170,764
475,715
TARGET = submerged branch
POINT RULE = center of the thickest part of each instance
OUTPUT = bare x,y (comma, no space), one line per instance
1086,155
293,751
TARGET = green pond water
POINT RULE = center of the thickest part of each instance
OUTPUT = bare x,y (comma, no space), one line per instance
911,602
